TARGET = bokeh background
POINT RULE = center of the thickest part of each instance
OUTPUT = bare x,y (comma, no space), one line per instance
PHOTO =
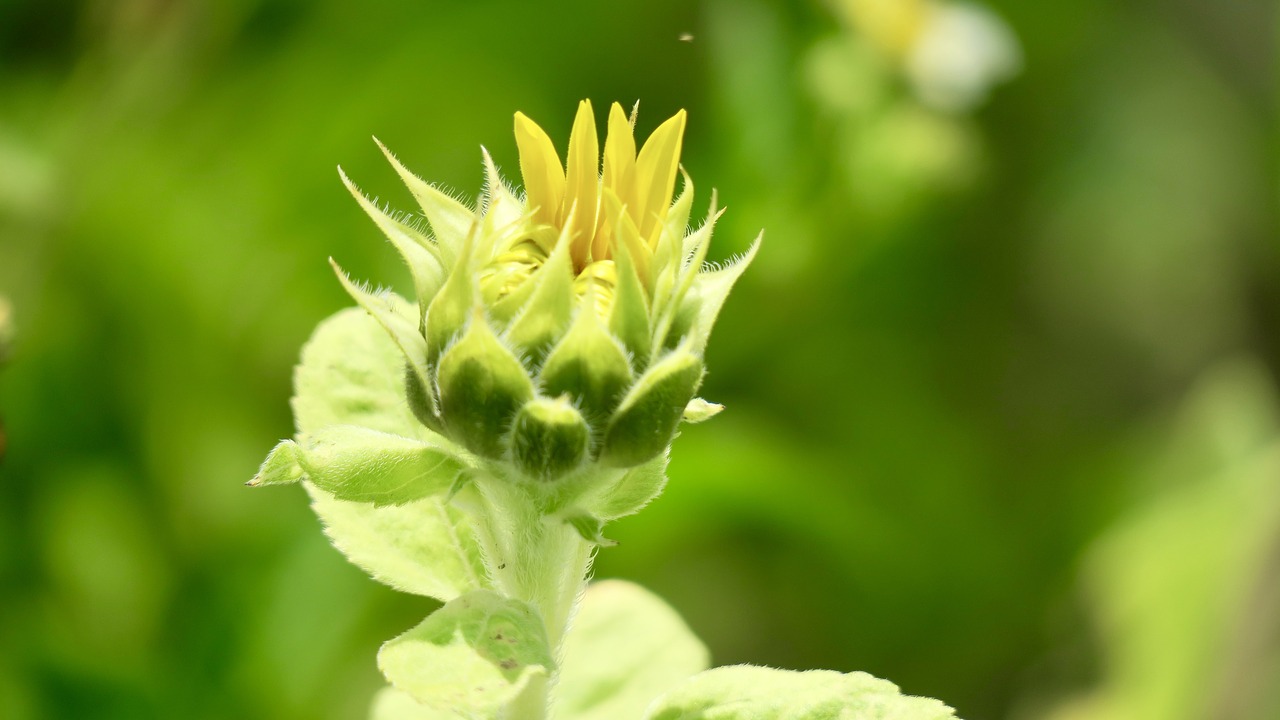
1002,417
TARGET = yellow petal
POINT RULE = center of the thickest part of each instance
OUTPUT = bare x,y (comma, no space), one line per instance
656,176
540,166
619,173
582,184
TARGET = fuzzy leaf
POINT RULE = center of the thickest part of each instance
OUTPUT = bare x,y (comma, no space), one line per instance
545,315
350,373
745,692
393,704
363,465
474,657
625,648
281,466
629,317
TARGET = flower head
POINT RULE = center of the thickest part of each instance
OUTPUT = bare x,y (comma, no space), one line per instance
567,326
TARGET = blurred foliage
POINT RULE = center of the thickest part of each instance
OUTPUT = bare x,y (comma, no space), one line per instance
980,436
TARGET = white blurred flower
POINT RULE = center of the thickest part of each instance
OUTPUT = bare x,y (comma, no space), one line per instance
960,51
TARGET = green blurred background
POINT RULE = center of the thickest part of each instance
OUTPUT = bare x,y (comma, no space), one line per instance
1002,422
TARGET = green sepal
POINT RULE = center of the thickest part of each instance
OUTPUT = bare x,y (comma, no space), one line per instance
678,214
452,307
362,465
589,366
699,410
590,527
401,330
546,315
745,692
281,466
450,220
548,438
418,252
712,288
482,655
629,317
637,487
646,420
481,386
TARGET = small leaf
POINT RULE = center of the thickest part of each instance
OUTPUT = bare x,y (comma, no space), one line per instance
548,438
699,410
450,220
625,648
281,466
744,692
363,465
590,527
474,657
646,420
481,386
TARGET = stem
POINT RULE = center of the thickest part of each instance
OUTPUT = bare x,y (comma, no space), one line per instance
533,558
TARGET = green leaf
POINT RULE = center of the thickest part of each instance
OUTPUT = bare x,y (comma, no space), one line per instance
625,648
629,317
424,547
478,656
351,373
363,465
281,466
393,704
745,692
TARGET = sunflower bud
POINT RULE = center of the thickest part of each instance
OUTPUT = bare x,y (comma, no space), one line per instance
565,327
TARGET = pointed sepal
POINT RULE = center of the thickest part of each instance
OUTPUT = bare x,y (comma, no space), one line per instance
450,220
281,466
699,410
362,465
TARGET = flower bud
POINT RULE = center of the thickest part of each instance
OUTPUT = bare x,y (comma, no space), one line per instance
566,326
548,438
